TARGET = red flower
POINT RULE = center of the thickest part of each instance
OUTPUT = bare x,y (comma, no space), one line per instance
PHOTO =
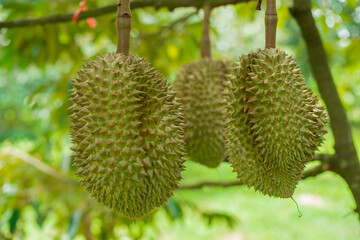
82,7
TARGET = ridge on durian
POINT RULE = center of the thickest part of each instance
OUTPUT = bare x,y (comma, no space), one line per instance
273,122
127,134
199,86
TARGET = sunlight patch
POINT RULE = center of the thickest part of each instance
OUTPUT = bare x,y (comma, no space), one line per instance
310,200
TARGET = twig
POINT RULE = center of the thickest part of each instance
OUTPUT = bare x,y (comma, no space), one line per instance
168,27
258,6
96,12
40,165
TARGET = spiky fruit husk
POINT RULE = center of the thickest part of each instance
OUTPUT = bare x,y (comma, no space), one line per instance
273,122
199,86
127,134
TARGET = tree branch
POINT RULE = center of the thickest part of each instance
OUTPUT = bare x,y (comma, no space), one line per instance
96,12
63,177
210,183
313,172
347,163
308,173
324,157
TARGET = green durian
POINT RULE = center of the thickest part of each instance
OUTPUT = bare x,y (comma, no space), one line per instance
199,86
273,122
127,133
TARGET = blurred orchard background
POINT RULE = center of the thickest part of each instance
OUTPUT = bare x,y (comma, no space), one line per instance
39,194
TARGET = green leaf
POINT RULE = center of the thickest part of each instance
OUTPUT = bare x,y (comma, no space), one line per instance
39,217
13,220
74,224
173,209
230,220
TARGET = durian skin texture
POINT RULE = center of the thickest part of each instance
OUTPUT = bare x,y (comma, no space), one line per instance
127,133
199,86
274,123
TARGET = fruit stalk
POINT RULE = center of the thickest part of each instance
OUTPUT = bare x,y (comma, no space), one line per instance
271,20
205,41
123,26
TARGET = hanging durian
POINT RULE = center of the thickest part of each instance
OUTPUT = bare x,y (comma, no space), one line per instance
273,121
126,128
199,86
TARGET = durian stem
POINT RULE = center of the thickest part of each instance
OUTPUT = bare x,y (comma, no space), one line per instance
123,27
205,41
271,20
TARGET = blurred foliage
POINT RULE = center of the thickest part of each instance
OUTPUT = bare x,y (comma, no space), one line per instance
37,63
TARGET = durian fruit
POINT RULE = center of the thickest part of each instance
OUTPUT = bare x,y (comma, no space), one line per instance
127,134
199,86
273,122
